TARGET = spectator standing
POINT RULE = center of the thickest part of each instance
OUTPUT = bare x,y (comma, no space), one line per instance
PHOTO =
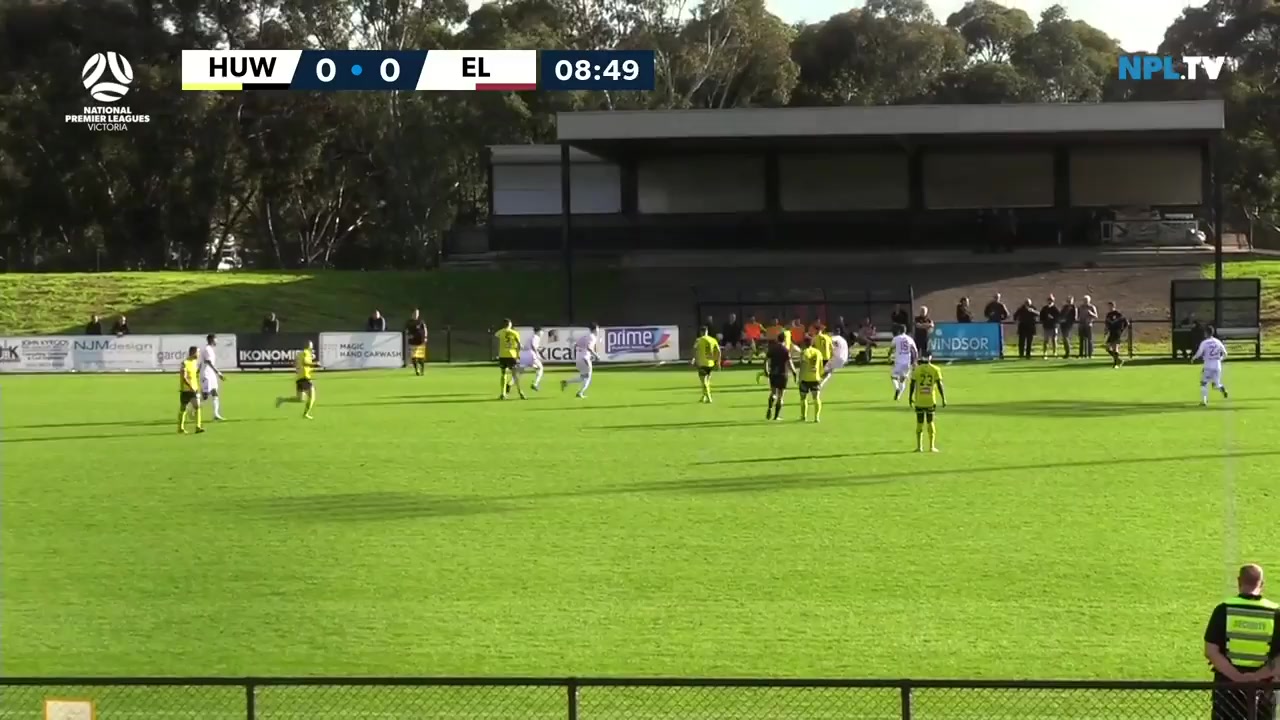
1239,641
732,332
121,327
271,324
1067,318
923,329
996,311
900,316
1086,317
94,327
963,313
1027,318
376,323
415,336
1049,324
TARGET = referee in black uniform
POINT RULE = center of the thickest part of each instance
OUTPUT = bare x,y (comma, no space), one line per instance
1240,643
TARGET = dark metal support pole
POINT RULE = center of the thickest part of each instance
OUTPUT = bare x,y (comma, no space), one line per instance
1218,222
906,701
572,689
566,229
250,701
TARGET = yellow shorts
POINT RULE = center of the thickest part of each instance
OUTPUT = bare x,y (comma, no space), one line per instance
419,352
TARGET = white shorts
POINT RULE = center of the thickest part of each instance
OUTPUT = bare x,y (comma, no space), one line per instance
208,383
584,366
530,359
1211,376
901,368
836,363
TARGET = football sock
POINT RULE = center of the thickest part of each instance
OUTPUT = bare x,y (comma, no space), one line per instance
777,408
182,419
933,434
817,407
586,383
769,412
311,401
217,405
537,379
1204,393
919,433
505,383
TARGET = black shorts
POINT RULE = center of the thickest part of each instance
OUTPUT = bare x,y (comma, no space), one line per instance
808,386
303,385
207,395
507,363
706,371
185,397
1113,338
925,414
778,382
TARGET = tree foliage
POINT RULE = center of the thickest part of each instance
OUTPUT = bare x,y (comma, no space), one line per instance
378,180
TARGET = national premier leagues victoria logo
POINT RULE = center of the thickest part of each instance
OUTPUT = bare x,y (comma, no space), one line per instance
107,76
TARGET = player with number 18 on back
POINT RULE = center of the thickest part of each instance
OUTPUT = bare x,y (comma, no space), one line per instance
1213,352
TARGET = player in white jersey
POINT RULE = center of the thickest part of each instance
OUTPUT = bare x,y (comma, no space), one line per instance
839,356
905,353
1213,352
585,349
530,358
210,375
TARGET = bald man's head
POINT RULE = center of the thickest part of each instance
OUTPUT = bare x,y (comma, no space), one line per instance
1250,579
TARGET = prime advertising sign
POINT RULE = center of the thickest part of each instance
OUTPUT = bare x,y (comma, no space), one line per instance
967,341
361,351
273,351
651,343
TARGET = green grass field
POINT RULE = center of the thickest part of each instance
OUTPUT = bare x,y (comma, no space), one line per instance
1079,523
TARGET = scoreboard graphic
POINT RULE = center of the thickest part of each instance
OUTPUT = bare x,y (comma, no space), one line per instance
500,70
409,70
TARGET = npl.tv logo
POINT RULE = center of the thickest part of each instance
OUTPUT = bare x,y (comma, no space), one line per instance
104,89
1165,67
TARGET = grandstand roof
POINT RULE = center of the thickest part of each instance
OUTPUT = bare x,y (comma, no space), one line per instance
612,131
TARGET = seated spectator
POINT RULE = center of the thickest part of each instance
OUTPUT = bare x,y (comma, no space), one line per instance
376,323
94,327
121,327
271,324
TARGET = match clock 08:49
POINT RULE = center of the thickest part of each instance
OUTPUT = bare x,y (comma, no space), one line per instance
596,70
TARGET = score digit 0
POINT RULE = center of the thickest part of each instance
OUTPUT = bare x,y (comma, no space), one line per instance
390,70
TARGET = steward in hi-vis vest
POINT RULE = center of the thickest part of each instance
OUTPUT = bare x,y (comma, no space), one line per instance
1240,644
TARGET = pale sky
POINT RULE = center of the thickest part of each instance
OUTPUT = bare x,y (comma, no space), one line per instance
1137,24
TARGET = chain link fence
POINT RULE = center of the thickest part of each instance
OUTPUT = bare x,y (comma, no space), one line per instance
622,699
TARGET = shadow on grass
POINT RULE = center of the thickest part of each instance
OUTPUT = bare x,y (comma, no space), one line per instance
798,458
377,506
683,425
118,436
129,423
1083,408
1102,363
370,506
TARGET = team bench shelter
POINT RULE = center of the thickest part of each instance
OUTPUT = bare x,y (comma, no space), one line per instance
850,177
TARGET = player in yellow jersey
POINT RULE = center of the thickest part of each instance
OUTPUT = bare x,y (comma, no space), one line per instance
824,344
189,390
508,358
811,365
706,357
926,393
304,368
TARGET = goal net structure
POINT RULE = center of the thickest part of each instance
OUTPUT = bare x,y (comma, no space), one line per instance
1192,301
827,306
